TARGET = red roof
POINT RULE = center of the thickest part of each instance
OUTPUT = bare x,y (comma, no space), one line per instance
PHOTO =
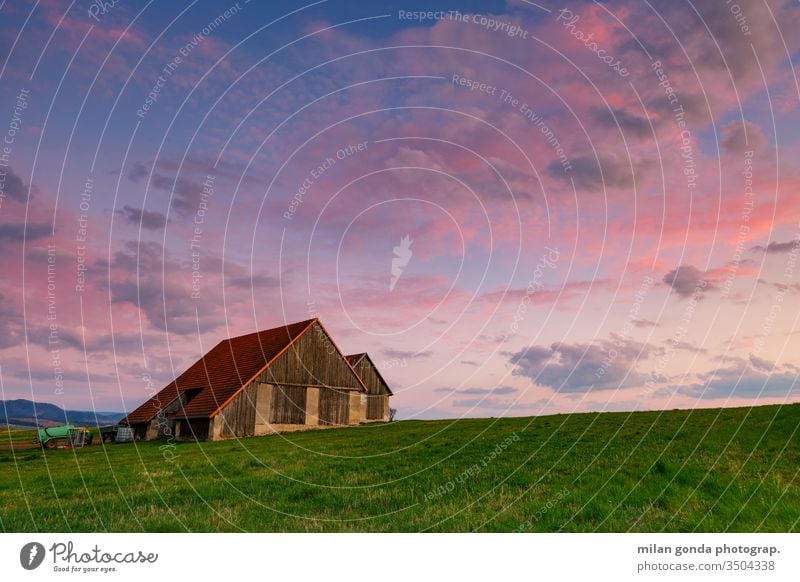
222,372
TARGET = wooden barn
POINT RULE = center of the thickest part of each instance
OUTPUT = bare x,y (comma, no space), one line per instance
283,379
378,391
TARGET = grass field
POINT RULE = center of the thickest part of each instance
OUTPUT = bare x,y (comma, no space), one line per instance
705,470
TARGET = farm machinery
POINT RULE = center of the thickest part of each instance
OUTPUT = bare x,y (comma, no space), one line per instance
116,433
76,437
67,435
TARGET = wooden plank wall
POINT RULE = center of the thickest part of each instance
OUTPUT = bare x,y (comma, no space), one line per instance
370,377
334,406
375,406
240,414
288,405
375,388
311,361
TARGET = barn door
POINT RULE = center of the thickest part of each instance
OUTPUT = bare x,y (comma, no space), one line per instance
288,405
334,406
375,406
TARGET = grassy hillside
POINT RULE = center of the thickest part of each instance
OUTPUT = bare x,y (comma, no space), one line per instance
707,470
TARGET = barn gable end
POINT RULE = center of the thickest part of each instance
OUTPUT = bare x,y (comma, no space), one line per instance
313,360
378,391
310,384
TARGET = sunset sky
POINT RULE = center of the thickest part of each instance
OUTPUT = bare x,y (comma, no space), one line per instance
516,208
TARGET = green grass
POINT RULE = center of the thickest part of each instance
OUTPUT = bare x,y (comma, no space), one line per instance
705,470
10,436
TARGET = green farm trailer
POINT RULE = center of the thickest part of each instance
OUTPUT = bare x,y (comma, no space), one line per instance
65,436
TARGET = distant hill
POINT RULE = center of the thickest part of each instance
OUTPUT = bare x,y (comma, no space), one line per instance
27,413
